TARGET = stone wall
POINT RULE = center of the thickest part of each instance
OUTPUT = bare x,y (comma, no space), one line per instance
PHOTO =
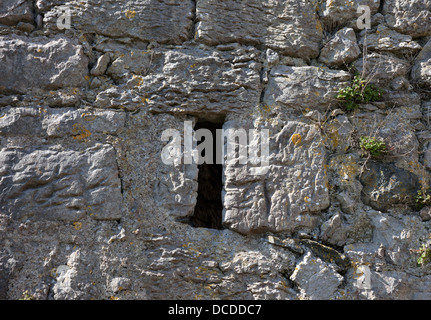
88,209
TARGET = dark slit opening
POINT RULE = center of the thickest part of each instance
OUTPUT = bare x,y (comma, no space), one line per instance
209,207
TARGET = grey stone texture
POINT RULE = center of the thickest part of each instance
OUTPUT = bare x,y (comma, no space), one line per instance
89,209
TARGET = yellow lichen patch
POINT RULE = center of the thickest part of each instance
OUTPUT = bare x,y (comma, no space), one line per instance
266,108
130,14
77,225
144,100
87,77
306,199
296,139
79,132
333,136
87,116
90,210
138,80
319,26
114,298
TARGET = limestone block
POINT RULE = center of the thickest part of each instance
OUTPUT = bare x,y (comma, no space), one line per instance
167,21
40,62
410,17
289,195
342,49
304,87
291,27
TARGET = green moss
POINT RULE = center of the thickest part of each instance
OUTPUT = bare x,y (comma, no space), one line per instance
424,256
422,199
359,92
27,296
374,146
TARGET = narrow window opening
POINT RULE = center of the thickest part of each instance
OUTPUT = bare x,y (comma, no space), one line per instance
209,207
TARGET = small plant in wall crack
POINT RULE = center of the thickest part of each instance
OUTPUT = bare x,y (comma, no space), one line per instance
423,255
361,91
422,199
375,147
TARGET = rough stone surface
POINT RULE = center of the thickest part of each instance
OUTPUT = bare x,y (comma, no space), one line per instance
421,72
304,87
255,202
41,62
14,11
338,12
388,40
166,21
409,17
289,26
387,185
316,279
90,209
340,50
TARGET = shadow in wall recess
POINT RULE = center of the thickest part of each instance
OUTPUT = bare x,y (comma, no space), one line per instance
209,207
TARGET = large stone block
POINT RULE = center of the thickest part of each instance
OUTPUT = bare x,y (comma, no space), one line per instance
193,81
388,40
166,21
386,185
40,62
66,180
410,17
292,191
74,124
291,27
339,12
54,184
304,87
341,49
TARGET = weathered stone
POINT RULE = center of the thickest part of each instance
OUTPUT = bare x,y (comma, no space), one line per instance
342,49
380,69
339,12
101,65
76,125
167,21
53,184
119,284
210,82
388,40
421,71
397,237
304,87
256,203
41,63
89,209
425,213
290,27
25,27
334,231
410,17
386,185
14,11
316,279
